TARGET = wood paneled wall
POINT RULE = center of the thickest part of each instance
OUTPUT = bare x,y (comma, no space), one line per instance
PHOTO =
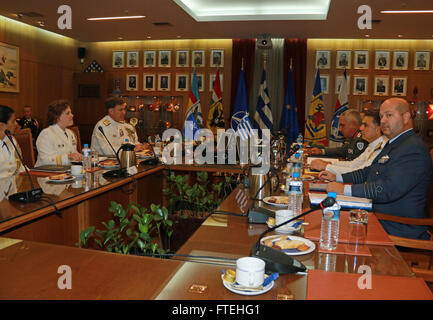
422,79
102,52
47,62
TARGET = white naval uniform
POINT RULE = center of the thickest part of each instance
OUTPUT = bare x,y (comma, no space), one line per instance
363,160
10,163
116,132
54,146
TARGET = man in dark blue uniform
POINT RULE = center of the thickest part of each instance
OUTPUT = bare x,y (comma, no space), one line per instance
27,121
399,178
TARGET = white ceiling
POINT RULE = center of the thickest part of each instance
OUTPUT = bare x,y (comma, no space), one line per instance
341,20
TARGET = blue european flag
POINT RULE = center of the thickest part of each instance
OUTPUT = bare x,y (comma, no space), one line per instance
289,117
240,121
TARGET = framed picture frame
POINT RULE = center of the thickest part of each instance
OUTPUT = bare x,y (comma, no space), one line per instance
148,81
324,83
118,59
198,58
10,67
382,60
200,81
182,58
217,58
399,86
361,59
339,82
164,81
164,58
400,60
343,60
132,82
212,77
132,59
422,60
360,85
381,84
323,59
181,82
149,58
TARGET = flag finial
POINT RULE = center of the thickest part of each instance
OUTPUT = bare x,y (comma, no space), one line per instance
291,63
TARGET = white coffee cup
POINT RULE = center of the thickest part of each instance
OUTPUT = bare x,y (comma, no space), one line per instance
282,216
76,170
250,272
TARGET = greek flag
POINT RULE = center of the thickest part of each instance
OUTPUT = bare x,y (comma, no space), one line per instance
240,121
263,116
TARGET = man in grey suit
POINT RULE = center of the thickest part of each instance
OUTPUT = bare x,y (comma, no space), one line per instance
399,178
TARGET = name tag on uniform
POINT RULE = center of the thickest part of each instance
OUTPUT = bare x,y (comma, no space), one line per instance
384,159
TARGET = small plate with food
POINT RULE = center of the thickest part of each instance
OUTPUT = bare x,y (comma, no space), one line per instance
278,201
60,178
109,164
290,245
305,177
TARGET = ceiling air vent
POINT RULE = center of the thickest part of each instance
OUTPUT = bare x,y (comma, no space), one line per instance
31,14
161,24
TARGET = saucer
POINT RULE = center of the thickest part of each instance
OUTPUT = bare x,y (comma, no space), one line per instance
246,292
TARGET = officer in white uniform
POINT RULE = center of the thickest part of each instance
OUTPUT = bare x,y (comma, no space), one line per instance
57,144
115,129
10,163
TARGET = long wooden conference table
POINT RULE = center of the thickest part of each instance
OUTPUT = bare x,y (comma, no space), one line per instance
35,242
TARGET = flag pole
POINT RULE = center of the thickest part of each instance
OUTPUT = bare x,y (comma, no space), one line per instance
291,63
265,60
242,64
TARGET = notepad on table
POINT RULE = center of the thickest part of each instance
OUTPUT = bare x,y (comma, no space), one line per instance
345,202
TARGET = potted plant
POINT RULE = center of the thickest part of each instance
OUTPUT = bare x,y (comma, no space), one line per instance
133,230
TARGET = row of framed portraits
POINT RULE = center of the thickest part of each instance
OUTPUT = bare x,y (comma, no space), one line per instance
382,59
360,85
162,82
197,58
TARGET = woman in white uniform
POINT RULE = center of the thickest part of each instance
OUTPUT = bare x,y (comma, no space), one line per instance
57,144
10,163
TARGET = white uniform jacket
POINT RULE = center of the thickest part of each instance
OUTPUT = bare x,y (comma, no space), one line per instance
116,132
363,160
10,163
54,146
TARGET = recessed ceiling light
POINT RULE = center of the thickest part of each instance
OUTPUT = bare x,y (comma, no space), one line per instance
367,36
178,36
41,23
119,38
116,18
148,37
400,36
406,11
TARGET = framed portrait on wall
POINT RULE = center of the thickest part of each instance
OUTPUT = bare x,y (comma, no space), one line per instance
182,58
324,83
10,68
118,59
132,82
132,59
181,82
323,59
382,60
400,60
212,77
198,58
149,58
164,58
381,84
360,85
164,82
360,61
422,60
200,81
343,59
149,82
217,58
339,82
399,86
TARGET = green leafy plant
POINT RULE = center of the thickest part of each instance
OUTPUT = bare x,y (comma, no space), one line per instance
132,230
193,200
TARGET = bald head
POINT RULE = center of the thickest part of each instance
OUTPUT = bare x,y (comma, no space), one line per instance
395,117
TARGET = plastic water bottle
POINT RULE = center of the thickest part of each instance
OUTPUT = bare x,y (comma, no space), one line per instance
330,225
296,195
297,164
87,158
300,139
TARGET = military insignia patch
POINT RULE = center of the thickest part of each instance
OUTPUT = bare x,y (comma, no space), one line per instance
360,145
107,122
121,133
384,159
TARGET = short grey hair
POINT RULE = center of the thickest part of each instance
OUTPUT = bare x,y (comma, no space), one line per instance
352,115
